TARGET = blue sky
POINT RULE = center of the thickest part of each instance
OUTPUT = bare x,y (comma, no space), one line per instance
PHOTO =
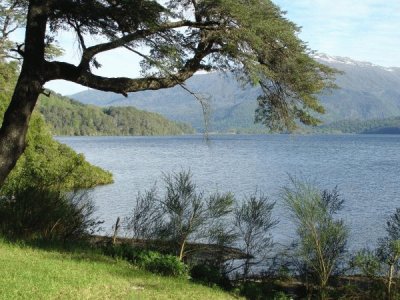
366,30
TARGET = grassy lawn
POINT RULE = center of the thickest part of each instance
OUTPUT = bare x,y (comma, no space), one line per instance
29,273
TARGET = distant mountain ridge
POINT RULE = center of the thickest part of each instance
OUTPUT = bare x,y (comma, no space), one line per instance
367,91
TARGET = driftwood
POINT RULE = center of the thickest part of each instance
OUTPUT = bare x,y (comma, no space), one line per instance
195,251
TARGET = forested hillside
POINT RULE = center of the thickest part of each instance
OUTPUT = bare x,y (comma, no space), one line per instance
381,126
69,117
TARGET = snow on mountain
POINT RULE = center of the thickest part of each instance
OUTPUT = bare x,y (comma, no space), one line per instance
330,59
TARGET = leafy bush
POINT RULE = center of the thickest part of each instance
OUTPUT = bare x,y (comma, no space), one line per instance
261,291
206,274
152,261
48,164
167,265
46,214
123,251
367,264
211,275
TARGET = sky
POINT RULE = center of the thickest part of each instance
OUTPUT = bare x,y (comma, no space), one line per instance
364,30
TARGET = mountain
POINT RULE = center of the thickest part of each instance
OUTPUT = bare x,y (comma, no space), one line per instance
68,117
228,101
367,91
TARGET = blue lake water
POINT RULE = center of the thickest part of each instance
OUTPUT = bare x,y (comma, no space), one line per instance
364,167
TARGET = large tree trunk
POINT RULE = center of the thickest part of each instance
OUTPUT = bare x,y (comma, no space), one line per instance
29,86
15,124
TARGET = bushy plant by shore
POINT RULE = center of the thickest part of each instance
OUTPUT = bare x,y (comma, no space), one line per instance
43,214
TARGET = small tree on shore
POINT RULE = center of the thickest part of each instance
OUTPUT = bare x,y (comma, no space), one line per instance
253,222
388,251
182,214
183,207
321,237
189,214
146,218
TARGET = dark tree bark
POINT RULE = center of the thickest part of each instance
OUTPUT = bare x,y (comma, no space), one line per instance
29,86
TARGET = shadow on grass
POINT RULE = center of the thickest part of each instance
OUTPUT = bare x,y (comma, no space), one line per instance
78,250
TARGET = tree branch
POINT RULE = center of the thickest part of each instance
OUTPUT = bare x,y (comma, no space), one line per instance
19,49
120,85
79,34
90,52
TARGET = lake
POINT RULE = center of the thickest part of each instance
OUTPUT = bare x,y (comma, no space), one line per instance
364,167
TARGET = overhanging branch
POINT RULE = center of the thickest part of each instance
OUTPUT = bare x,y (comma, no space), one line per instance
90,52
120,85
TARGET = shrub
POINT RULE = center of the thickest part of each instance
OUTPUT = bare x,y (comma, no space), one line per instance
123,251
322,238
388,253
181,215
45,214
253,222
261,291
206,274
366,263
152,261
167,265
146,218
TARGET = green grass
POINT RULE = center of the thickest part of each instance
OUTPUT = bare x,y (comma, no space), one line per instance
31,273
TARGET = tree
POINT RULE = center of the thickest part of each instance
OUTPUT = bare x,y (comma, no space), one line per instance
188,213
182,214
321,237
388,250
253,222
146,218
175,39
